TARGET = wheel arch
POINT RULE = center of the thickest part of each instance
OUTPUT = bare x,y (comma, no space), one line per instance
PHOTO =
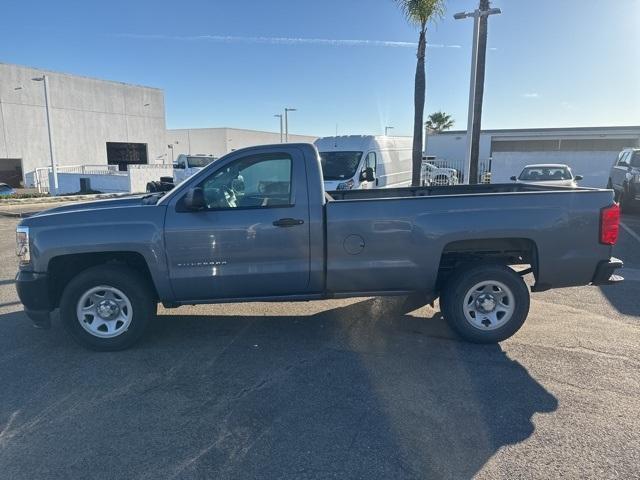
502,251
61,269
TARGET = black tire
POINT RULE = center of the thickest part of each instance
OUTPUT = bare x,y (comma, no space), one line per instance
452,301
133,285
152,187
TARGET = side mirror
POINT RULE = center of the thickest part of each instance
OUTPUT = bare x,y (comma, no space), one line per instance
578,178
514,178
367,175
194,199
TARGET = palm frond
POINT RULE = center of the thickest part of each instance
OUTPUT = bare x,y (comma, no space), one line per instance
420,12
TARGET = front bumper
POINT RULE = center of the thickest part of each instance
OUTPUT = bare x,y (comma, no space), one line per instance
604,272
33,291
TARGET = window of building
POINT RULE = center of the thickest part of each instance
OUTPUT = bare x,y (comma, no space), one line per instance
123,154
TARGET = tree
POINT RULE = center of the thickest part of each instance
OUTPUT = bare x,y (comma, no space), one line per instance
439,122
420,13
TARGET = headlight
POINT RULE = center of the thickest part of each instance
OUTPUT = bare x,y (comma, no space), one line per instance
346,185
22,245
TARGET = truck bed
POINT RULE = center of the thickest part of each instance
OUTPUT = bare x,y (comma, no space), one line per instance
432,191
400,236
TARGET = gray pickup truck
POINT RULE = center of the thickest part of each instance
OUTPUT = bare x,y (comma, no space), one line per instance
257,225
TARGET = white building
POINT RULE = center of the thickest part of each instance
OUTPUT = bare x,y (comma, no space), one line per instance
220,141
588,151
93,122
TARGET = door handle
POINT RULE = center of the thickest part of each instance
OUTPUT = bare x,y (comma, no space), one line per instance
287,222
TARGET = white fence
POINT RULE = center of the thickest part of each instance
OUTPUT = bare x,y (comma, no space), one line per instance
484,168
102,178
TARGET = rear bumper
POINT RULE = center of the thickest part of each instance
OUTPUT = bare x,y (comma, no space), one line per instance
33,291
605,272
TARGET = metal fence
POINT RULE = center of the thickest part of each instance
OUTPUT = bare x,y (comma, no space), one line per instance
442,173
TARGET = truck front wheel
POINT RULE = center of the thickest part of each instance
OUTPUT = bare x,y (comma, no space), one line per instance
107,307
485,303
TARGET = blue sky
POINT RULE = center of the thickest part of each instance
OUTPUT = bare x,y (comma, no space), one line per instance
227,63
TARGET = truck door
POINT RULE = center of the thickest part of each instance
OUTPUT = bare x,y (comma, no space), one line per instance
252,239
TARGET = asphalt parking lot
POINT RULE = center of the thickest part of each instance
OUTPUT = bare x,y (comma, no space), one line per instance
333,389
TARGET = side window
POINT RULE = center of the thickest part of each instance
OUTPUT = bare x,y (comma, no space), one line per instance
624,159
259,181
371,161
635,160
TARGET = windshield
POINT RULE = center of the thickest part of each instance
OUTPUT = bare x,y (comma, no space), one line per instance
339,165
545,174
199,162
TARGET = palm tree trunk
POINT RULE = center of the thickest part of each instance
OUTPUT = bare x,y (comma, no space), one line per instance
418,99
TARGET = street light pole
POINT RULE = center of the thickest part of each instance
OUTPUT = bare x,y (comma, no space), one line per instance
386,130
476,86
279,115
54,168
286,122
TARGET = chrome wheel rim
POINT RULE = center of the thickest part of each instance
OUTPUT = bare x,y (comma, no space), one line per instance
104,311
489,305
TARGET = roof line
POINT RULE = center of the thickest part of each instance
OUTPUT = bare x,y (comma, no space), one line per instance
545,130
66,74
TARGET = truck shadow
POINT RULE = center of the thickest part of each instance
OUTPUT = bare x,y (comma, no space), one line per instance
360,391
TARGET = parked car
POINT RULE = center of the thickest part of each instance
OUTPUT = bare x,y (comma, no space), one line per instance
257,225
353,162
548,174
6,190
183,168
624,178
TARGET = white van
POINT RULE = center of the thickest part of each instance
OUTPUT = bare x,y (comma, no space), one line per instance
346,160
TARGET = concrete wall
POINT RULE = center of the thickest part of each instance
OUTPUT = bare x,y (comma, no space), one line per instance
132,181
140,175
220,141
86,113
454,147
115,183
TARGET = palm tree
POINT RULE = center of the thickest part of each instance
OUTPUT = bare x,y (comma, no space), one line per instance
419,13
439,122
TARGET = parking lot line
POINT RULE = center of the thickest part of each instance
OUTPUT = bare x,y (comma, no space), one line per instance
630,232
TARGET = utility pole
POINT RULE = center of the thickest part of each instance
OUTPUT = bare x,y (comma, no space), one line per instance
52,150
286,123
476,89
279,115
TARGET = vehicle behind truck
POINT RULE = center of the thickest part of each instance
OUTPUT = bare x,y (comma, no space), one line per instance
258,225
184,167
353,162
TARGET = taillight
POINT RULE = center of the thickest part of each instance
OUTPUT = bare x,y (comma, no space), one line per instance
610,224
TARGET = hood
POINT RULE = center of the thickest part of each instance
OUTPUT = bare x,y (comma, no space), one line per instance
551,183
331,185
95,205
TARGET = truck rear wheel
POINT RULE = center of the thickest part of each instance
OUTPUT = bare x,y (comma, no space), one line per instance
485,303
107,307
